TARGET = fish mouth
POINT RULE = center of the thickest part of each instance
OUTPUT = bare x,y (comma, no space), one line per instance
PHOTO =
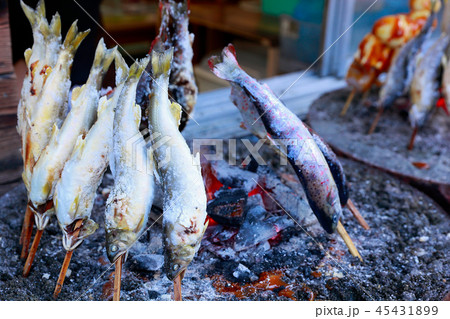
117,243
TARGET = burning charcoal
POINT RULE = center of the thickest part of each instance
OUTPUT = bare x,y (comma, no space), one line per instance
292,201
254,230
234,177
227,208
147,262
243,274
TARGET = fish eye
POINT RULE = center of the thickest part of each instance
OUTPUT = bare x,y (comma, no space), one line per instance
175,267
114,248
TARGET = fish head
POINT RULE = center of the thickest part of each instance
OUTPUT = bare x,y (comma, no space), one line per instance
180,249
118,241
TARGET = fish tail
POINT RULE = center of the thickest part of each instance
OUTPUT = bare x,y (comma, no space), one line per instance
121,68
224,66
55,25
161,62
34,16
102,60
74,38
137,69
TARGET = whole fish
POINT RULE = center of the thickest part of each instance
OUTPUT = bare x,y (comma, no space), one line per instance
131,198
51,106
174,33
425,84
399,76
84,102
40,60
301,150
184,203
82,174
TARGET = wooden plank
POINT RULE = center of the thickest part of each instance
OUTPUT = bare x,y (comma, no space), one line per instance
9,94
10,158
5,40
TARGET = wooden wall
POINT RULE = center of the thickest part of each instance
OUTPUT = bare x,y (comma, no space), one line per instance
10,159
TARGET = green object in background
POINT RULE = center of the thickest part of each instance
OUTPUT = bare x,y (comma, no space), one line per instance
277,7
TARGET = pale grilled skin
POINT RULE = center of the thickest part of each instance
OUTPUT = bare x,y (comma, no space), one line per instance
300,148
425,84
82,174
131,197
40,61
84,102
184,201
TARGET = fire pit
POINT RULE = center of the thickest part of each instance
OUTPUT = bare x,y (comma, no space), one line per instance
253,249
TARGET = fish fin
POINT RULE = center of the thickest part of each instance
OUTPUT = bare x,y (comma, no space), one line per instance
74,38
175,109
27,55
225,65
31,14
137,114
102,60
161,62
102,105
121,68
76,91
137,69
55,25
79,146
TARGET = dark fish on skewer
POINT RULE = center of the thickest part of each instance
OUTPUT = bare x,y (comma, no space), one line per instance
399,77
299,146
425,84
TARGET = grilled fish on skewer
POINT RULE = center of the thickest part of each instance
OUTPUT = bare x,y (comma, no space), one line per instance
40,60
174,33
82,173
180,173
78,121
299,146
398,79
425,84
52,102
306,157
131,198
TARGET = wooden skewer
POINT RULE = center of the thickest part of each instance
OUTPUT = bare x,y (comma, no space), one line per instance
27,232
413,138
357,214
348,241
375,121
177,288
118,278
32,253
348,102
67,258
365,96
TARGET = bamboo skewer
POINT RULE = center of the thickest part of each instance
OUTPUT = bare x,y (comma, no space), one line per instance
413,138
365,97
177,288
27,231
32,253
348,241
118,278
357,214
348,102
375,121
67,258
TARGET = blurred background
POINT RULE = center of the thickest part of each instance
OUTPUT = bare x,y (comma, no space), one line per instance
272,37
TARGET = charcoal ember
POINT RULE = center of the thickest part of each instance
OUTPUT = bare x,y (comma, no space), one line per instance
228,207
243,274
221,234
234,177
255,229
292,201
147,262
